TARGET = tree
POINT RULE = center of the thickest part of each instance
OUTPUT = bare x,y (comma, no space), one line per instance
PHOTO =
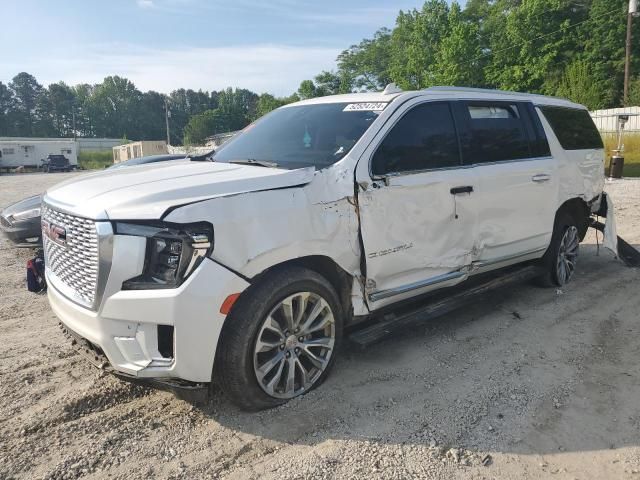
634,92
603,48
83,108
114,106
6,111
458,59
204,125
533,42
239,106
578,85
307,89
151,117
414,43
62,104
26,91
267,103
365,66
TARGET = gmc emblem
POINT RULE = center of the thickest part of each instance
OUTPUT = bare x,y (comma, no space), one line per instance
55,233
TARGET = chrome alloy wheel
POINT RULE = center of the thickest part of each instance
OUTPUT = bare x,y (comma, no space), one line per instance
567,255
294,345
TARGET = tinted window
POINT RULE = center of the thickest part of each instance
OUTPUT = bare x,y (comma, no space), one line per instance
574,128
423,139
495,132
307,135
539,143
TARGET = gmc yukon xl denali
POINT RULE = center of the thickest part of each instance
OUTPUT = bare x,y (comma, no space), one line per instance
245,271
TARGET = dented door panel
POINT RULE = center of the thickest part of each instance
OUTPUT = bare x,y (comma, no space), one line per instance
411,234
517,201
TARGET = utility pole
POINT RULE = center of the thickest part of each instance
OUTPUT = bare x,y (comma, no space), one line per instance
167,114
633,12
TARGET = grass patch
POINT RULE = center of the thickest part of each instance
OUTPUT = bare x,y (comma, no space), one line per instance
95,160
631,152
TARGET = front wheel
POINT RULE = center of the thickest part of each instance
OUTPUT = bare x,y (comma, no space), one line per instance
280,339
560,259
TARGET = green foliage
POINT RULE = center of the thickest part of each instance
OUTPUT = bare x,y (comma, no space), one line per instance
95,160
209,123
634,92
578,85
267,103
365,66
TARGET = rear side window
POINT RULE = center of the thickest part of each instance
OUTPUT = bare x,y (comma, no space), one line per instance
425,138
495,131
573,127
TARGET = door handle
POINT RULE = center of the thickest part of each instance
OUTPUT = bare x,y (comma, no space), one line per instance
458,190
541,177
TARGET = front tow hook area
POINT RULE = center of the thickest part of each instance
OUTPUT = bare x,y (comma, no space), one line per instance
194,393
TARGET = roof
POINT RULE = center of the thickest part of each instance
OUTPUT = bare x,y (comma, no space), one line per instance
440,93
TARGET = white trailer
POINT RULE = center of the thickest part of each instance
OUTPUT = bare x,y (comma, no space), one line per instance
30,153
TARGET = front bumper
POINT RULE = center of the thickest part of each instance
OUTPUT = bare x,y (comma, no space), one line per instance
26,233
125,325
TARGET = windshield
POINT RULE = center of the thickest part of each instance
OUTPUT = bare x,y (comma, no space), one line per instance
305,136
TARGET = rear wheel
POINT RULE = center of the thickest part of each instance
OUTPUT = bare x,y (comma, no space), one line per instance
560,259
280,339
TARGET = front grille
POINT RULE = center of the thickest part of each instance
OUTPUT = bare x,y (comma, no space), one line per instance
73,260
4,221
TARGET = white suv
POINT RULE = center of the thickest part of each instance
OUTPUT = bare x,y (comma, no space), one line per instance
246,270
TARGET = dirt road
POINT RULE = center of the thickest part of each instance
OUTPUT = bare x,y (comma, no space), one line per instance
529,383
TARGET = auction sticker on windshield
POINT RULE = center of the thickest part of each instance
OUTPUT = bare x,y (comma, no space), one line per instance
366,107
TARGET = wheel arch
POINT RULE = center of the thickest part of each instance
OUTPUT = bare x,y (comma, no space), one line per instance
339,278
325,266
579,210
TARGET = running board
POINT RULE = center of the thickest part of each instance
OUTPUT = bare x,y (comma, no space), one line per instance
393,322
627,253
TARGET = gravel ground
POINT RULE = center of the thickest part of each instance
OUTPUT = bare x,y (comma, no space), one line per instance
529,383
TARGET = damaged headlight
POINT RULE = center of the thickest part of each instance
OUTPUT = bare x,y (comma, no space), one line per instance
173,252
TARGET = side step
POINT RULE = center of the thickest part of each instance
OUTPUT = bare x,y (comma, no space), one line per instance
393,322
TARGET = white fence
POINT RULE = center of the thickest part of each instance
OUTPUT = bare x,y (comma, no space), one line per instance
607,120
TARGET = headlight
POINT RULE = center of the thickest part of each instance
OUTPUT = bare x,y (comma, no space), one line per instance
31,213
173,252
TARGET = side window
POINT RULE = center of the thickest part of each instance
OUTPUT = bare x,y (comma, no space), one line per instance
574,128
495,132
424,138
539,142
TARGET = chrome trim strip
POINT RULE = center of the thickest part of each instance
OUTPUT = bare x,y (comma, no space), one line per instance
458,167
105,255
382,294
507,258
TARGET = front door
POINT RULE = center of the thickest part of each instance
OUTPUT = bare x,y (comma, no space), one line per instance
417,216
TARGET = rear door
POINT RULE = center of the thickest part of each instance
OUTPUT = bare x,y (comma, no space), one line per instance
517,179
417,234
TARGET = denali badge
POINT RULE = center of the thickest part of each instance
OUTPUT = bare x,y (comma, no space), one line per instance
54,232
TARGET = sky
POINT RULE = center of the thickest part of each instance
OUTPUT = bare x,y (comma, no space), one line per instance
265,46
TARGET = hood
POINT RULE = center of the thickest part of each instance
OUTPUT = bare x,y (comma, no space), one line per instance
146,192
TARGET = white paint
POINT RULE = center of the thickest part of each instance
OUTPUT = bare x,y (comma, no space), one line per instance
263,217
30,152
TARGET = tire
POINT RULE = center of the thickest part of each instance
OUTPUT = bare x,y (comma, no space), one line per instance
256,355
559,261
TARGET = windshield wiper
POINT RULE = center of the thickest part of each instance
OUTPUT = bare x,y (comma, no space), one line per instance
253,161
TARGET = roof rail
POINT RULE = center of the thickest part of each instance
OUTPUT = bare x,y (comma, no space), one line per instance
488,90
